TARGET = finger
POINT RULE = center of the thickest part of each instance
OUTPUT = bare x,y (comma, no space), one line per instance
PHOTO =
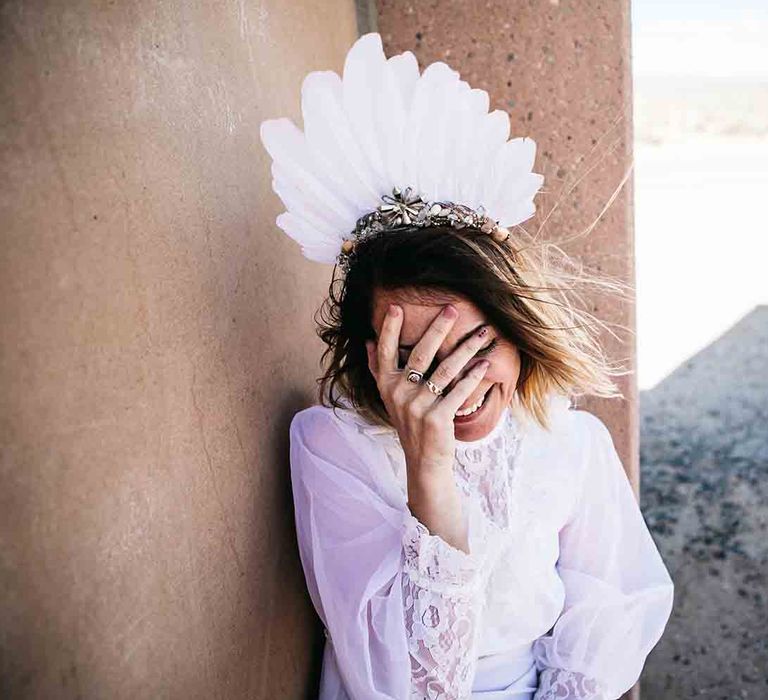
370,348
463,389
452,365
389,339
423,353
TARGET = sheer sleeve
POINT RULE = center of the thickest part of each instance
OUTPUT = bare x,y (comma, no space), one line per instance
618,593
399,604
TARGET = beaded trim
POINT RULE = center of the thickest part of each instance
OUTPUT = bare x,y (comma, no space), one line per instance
410,209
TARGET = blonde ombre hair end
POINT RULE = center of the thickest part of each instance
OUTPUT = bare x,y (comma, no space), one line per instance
529,290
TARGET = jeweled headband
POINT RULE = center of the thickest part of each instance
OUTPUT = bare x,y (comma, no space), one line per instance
407,208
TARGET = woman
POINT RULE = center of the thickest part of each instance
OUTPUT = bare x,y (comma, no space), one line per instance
463,531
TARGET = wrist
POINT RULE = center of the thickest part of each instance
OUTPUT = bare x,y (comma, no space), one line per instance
427,472
439,508
433,483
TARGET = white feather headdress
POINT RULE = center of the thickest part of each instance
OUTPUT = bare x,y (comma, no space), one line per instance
385,128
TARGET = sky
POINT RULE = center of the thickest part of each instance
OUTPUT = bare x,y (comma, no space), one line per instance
723,39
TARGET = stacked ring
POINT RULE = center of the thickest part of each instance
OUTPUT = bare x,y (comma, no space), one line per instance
414,376
433,388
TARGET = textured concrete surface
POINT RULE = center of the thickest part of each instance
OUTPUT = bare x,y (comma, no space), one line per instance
704,457
562,72
155,344
154,347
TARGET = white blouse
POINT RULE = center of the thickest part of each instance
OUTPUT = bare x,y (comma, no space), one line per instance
562,595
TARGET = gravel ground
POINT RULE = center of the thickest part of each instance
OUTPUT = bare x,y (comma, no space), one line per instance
704,494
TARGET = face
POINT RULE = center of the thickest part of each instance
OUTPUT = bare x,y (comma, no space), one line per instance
499,382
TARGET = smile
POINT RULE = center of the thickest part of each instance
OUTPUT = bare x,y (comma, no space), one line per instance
474,408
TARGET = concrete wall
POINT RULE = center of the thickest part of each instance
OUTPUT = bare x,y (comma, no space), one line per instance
562,70
154,340
155,344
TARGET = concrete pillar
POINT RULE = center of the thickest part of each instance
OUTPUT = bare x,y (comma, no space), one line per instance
155,345
562,71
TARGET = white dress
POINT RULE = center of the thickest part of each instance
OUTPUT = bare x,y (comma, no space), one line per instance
562,595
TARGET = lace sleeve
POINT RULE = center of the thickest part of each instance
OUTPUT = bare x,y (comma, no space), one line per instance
440,594
559,684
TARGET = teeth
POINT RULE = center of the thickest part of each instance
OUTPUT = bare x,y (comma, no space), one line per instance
471,409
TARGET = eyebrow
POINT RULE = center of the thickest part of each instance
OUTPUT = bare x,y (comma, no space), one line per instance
459,342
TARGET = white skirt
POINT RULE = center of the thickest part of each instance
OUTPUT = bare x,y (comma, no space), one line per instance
511,675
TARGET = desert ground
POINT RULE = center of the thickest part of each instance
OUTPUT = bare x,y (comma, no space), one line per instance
701,187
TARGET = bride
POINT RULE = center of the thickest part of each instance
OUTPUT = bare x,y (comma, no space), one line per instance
464,531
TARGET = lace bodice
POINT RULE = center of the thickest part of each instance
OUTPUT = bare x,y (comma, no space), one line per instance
485,470
530,580
445,589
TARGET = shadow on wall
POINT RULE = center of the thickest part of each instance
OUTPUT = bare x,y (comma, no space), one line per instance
704,493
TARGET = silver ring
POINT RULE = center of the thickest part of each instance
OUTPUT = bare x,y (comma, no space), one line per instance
414,376
433,388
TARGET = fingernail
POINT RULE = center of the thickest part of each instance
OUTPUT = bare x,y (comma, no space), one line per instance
482,365
483,332
450,311
394,309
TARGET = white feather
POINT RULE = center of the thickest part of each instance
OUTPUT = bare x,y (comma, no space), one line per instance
303,206
303,233
493,131
508,170
363,69
440,86
471,136
389,119
288,147
327,130
405,69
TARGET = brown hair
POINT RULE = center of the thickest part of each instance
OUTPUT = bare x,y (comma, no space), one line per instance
526,290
